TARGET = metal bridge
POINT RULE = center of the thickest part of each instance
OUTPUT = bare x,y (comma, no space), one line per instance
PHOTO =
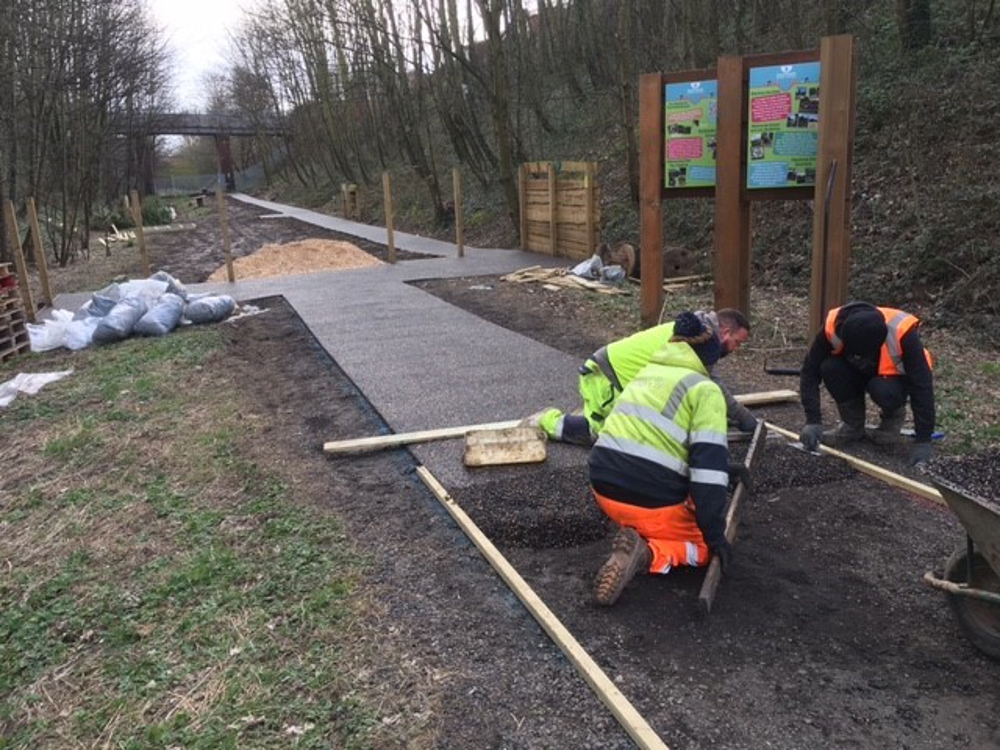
220,127
211,125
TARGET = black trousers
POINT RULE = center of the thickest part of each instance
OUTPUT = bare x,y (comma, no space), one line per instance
846,383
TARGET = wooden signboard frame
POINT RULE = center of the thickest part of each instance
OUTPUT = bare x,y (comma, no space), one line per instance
830,194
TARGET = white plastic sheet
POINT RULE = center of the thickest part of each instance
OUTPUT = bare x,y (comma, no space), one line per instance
28,384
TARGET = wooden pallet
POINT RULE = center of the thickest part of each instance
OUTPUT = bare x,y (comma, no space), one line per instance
14,337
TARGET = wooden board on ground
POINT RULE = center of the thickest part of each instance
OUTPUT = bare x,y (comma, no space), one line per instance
379,442
513,445
767,397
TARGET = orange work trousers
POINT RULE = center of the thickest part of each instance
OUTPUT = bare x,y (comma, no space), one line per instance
672,532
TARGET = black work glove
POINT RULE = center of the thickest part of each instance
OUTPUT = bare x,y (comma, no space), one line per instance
739,473
746,421
810,436
920,454
724,551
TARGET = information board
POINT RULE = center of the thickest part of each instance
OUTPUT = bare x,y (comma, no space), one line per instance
783,125
690,117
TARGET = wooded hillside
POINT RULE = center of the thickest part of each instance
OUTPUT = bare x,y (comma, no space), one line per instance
418,87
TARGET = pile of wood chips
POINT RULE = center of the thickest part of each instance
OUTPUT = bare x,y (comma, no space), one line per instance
294,258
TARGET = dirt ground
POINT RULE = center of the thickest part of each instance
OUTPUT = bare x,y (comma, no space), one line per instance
822,634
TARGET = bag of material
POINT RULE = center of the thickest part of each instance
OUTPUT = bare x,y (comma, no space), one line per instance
588,269
148,290
80,332
162,317
173,285
50,334
210,309
118,323
96,307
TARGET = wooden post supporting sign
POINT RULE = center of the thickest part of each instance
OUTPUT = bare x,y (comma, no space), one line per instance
732,210
831,248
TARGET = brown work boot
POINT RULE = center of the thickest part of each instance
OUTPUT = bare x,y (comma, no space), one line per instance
630,555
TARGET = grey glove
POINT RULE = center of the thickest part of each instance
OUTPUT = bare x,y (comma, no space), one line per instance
810,436
920,454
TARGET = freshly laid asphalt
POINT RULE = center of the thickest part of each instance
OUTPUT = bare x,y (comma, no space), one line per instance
420,362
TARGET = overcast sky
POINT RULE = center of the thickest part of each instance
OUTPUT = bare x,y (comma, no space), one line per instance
197,32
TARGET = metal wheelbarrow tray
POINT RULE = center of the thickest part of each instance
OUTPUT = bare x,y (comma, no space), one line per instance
972,573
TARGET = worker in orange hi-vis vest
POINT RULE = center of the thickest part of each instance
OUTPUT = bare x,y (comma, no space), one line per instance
864,349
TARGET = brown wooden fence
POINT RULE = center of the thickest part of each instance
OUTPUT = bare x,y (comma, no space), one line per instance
560,208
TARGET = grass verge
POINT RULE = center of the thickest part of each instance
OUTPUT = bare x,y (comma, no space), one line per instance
157,588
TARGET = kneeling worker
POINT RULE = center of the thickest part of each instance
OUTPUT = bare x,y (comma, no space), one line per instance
611,368
660,465
863,348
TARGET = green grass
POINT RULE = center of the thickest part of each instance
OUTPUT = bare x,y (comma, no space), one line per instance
165,591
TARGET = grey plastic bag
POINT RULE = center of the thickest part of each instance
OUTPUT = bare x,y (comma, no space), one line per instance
162,317
173,285
210,309
118,323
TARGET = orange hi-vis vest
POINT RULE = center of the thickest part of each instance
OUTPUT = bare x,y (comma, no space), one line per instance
898,323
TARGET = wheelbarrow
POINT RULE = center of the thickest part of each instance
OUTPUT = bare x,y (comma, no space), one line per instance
972,573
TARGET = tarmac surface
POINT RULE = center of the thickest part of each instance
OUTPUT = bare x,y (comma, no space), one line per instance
422,363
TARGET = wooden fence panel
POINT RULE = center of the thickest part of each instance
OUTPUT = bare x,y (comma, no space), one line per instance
561,200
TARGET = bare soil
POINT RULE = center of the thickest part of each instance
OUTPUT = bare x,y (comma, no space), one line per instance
822,634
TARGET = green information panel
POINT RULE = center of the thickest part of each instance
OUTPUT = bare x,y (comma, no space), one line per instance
783,130
691,114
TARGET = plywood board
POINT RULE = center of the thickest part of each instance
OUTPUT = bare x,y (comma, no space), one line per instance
514,445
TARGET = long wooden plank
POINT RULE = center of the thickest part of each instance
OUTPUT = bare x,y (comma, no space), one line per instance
378,442
605,689
39,250
403,438
896,480
706,597
767,397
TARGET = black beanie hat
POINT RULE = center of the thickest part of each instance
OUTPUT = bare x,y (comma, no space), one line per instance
689,328
863,332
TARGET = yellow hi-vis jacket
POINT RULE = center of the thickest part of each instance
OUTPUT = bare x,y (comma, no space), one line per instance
665,440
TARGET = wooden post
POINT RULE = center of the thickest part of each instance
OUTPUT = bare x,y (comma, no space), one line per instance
550,170
522,192
588,187
139,234
651,135
831,254
387,198
456,181
14,238
39,251
732,210
227,248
